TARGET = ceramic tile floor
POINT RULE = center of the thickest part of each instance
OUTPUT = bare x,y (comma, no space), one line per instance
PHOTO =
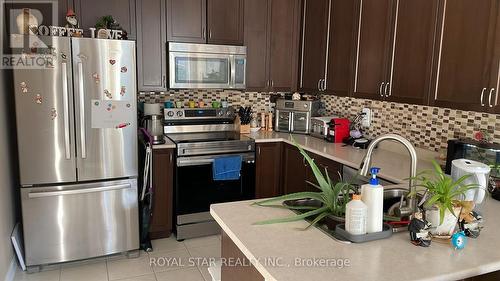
175,261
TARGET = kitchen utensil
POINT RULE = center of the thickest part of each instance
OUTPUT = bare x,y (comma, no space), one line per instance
479,175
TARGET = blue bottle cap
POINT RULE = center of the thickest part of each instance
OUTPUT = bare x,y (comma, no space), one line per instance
374,171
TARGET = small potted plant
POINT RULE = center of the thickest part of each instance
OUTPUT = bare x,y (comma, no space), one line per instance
331,199
443,198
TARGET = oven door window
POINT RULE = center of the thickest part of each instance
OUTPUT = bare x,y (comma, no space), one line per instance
202,70
300,122
284,121
196,189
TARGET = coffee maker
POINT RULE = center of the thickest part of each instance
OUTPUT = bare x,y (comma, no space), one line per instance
153,122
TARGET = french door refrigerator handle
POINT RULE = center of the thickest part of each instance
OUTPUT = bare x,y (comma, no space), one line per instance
66,110
81,93
39,194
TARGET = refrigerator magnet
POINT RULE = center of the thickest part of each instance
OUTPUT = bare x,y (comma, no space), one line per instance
124,69
108,94
63,56
96,77
122,125
38,99
123,91
24,87
112,62
53,113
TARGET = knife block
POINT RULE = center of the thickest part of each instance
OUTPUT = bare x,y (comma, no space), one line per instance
244,129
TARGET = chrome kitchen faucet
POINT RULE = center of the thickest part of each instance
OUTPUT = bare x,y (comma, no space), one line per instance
411,207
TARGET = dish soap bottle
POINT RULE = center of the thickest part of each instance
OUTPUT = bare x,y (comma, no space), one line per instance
372,195
355,216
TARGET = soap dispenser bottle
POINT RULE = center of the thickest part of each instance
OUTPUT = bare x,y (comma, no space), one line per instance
372,195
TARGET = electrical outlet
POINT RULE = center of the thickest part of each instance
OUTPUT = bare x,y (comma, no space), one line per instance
367,117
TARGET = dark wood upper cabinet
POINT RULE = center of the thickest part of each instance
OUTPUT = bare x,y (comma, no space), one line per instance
284,44
341,47
271,37
186,21
90,11
495,81
413,36
151,45
256,40
374,34
225,21
315,20
268,170
467,48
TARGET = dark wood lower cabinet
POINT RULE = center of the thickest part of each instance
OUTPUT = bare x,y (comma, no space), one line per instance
268,170
240,272
297,172
163,186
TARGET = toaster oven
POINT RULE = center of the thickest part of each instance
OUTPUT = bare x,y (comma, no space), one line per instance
294,116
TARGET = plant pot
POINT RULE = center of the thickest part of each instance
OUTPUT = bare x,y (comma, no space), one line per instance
447,228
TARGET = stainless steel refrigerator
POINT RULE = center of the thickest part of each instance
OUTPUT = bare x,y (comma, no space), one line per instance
77,146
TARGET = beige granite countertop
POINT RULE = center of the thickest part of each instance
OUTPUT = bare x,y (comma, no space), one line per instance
389,259
391,157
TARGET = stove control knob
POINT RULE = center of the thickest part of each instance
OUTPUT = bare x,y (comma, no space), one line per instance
179,113
170,113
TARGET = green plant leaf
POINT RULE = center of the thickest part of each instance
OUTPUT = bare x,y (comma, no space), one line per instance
294,218
316,220
292,196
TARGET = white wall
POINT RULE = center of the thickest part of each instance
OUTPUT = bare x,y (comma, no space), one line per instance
7,175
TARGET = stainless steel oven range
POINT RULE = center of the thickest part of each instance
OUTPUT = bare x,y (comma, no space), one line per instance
201,136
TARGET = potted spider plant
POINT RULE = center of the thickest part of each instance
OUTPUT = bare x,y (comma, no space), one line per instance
443,198
332,199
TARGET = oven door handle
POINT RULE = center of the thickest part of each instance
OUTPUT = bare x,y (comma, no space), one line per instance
208,160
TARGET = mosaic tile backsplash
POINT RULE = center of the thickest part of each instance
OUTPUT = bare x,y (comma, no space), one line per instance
425,126
259,101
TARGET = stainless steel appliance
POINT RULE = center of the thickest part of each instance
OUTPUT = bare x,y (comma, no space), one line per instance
295,115
77,147
319,126
207,66
201,136
154,125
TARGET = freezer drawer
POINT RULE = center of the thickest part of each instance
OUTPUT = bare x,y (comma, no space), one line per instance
65,223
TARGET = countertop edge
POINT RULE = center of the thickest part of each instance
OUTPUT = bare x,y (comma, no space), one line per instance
255,262
329,156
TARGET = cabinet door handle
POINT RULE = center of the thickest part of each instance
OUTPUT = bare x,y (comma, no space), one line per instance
258,150
489,97
209,34
171,157
380,89
272,83
385,89
324,84
482,96
164,82
319,85
204,33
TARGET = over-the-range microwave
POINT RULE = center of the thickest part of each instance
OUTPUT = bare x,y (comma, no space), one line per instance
205,66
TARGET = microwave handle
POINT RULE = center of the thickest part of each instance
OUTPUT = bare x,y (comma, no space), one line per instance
232,71
290,121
